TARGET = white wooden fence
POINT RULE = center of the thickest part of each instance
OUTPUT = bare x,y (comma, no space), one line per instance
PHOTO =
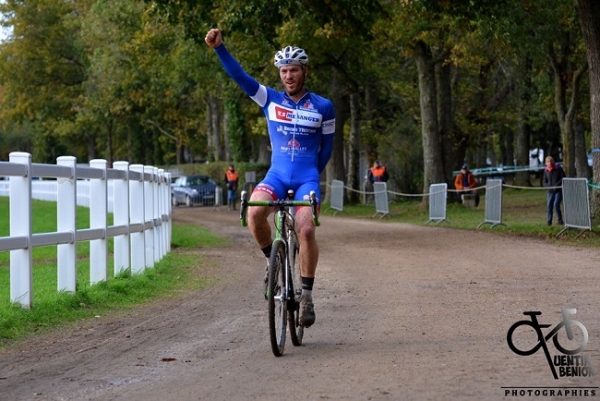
139,197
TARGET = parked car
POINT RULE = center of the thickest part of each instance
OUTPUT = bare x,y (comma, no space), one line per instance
193,190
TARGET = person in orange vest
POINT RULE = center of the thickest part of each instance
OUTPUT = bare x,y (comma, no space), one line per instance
377,173
231,180
465,182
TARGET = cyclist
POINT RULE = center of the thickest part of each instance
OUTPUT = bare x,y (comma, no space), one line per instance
301,125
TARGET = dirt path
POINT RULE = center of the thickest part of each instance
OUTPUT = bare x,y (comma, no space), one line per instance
403,312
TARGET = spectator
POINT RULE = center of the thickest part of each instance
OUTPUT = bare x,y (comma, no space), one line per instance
231,180
377,173
465,183
553,176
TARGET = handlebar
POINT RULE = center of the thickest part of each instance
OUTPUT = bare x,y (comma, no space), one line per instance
280,204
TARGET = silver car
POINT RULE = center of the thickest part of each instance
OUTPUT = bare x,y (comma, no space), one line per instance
193,190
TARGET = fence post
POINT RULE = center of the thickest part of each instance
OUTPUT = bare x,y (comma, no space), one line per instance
161,213
21,261
148,214
98,213
66,221
136,211
121,218
168,210
156,221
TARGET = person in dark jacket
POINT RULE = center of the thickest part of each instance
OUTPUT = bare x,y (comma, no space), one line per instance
553,176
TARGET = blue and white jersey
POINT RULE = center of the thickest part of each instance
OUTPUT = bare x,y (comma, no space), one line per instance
301,133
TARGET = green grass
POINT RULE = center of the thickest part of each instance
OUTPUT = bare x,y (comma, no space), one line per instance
183,269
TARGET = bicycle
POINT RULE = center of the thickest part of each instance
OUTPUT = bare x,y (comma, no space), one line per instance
568,324
284,284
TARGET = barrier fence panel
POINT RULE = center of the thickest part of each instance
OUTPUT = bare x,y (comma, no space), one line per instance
249,181
337,196
218,197
142,213
437,203
493,203
576,201
382,205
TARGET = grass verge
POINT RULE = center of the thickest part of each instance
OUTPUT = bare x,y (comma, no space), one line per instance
523,213
183,269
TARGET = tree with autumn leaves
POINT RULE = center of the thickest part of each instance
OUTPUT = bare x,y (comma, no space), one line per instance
425,85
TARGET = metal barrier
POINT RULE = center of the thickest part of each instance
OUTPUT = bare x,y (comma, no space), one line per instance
249,181
576,205
337,196
493,203
437,203
381,201
218,198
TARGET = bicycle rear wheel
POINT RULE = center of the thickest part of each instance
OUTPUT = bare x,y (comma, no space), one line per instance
296,330
276,298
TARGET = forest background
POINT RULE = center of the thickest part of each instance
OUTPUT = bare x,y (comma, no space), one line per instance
424,85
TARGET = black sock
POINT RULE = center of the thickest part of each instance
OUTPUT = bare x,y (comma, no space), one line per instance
307,283
267,250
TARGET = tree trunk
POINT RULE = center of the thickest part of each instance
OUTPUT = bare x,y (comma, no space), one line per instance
214,131
508,154
91,147
564,77
524,134
227,142
581,160
353,180
432,145
579,151
209,128
264,150
109,141
589,17
445,115
335,168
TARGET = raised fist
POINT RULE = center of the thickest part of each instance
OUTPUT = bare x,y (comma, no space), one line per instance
213,38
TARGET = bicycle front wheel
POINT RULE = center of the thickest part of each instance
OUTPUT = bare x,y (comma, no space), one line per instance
276,298
296,330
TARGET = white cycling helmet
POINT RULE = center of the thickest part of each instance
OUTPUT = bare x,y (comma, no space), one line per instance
291,55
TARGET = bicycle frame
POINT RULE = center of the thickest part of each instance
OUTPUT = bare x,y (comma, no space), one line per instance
283,286
283,217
